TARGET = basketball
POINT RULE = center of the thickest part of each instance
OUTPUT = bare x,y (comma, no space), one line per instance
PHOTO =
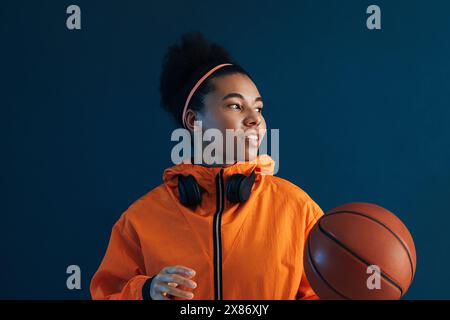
360,251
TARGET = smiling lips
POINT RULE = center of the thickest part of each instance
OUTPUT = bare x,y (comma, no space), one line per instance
252,137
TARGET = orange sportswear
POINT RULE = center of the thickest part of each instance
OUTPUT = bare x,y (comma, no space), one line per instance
250,250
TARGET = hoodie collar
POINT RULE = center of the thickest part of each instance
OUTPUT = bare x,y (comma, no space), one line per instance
205,176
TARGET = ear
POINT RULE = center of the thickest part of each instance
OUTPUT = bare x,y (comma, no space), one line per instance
191,116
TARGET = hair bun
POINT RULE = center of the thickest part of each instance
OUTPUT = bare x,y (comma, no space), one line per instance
182,63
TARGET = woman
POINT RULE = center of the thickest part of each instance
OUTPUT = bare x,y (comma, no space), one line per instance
211,231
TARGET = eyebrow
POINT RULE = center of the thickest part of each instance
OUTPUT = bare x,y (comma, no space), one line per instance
238,95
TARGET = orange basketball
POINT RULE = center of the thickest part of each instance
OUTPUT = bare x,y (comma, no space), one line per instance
360,251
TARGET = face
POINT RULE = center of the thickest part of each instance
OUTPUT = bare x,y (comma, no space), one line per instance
235,103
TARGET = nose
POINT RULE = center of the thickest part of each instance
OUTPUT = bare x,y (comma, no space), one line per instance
253,119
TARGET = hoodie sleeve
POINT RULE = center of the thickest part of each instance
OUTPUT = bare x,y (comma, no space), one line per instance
121,274
305,292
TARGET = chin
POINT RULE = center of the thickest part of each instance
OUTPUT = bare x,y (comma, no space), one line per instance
251,155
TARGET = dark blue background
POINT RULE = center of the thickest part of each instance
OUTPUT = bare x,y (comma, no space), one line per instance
363,116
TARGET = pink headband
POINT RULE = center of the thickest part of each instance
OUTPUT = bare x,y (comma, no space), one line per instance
199,82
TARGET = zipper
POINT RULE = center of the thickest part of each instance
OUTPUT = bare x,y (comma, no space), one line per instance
217,237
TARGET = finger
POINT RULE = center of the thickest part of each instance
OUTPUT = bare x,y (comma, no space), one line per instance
180,270
176,292
162,297
159,294
178,280
171,297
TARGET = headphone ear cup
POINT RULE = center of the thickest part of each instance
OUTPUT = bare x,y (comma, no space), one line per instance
239,187
233,184
189,191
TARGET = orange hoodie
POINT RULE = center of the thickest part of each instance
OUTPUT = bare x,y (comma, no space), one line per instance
252,250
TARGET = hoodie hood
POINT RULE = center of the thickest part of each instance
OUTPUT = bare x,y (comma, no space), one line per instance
206,178
263,164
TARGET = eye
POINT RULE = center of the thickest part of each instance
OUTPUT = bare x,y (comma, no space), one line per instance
259,109
234,106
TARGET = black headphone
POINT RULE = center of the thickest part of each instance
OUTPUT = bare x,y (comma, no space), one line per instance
238,189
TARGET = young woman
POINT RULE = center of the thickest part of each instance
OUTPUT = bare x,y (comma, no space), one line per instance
218,231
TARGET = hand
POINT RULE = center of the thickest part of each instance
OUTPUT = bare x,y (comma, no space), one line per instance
163,286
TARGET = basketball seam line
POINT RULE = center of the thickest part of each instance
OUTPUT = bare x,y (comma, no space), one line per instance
331,237
389,229
319,274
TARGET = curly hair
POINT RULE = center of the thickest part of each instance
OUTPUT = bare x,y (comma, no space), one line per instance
184,64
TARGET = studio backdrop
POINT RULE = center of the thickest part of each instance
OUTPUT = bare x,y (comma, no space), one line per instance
363,115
